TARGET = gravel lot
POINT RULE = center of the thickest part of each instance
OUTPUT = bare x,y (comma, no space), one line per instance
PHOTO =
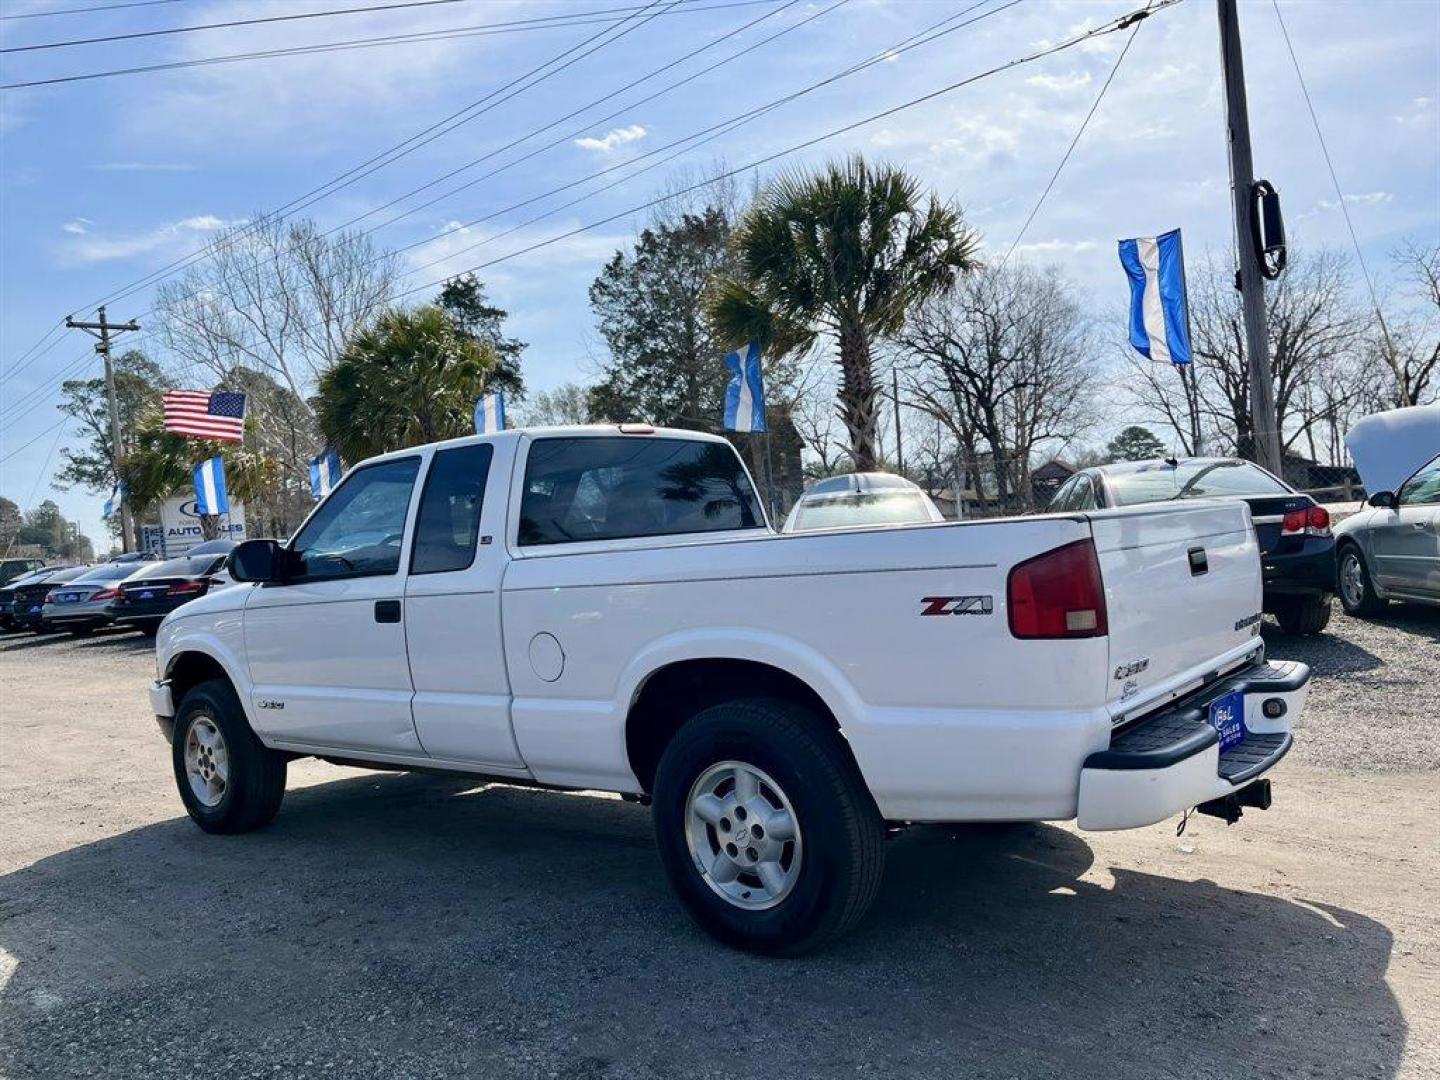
398,925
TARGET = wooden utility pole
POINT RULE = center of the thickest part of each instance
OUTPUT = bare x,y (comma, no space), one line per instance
102,330
1264,428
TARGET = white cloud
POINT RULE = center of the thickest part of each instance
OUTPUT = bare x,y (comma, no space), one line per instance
1060,83
1369,198
1052,249
90,247
616,137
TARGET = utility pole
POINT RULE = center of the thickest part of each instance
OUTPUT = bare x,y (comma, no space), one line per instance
102,330
895,397
1265,431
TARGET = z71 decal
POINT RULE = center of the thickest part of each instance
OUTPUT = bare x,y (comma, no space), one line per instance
957,605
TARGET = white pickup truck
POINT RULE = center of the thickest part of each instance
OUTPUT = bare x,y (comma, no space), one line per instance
606,608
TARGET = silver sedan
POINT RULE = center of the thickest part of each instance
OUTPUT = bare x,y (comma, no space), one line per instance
79,605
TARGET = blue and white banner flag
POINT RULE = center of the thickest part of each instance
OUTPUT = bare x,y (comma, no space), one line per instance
745,396
325,472
490,414
1159,313
116,500
210,496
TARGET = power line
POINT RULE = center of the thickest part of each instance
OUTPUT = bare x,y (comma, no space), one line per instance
87,10
1138,18
26,445
590,124
924,37
1050,50
1334,181
399,150
229,25
419,37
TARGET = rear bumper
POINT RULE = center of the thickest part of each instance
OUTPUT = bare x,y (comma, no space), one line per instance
1308,571
1171,760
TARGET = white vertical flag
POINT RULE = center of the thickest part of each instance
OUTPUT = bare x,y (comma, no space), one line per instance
1159,312
210,494
490,414
745,396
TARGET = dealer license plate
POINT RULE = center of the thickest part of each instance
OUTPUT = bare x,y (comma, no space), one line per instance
67,598
147,596
1227,716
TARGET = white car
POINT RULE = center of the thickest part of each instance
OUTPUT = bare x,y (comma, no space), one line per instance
606,608
859,499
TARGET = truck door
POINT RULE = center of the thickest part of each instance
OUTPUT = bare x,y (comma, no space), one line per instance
452,610
326,648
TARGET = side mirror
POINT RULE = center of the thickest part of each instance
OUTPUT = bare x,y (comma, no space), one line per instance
258,560
1383,499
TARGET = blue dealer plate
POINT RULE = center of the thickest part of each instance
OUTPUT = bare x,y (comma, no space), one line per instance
1227,716
147,595
67,598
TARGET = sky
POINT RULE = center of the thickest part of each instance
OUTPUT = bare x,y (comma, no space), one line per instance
105,181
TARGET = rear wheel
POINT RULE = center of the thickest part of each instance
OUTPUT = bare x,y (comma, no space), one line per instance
1357,592
149,629
83,630
766,829
229,781
1303,615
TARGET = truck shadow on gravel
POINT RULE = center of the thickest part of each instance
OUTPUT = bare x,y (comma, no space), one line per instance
397,925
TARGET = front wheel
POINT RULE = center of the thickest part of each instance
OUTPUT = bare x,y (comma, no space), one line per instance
228,780
1357,591
766,829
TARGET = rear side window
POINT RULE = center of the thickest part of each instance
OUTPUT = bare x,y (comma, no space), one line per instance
449,520
629,486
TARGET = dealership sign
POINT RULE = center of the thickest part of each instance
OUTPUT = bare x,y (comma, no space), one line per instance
180,530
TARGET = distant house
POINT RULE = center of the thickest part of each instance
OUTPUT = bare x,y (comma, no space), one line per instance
1046,479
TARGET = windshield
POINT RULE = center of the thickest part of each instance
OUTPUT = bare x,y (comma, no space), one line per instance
1162,482
861,508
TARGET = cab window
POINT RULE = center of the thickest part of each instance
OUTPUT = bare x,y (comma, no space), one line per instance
448,523
631,486
359,529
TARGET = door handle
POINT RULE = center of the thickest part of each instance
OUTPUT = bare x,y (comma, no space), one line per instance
387,611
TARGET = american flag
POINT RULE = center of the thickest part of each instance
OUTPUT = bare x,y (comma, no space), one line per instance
220,415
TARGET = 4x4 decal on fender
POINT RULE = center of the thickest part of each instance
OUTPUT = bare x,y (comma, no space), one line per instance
957,605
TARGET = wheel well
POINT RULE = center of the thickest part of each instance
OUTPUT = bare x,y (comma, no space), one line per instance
674,693
190,669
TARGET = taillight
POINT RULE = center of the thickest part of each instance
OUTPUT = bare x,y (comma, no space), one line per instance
1314,521
1058,594
188,588
105,594
49,598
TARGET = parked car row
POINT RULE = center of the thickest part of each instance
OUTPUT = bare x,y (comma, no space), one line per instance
131,590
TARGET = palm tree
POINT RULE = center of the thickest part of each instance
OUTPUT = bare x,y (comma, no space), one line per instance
844,253
408,379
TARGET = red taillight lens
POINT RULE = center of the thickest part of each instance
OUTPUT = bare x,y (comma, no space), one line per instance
1058,594
105,594
187,588
1314,521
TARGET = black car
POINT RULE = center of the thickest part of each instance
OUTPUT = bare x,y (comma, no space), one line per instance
157,589
7,594
27,601
1297,550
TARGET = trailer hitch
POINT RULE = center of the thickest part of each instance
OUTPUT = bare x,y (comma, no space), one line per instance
1230,807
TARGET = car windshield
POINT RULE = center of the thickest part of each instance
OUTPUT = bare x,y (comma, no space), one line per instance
860,508
1163,482
212,547
60,577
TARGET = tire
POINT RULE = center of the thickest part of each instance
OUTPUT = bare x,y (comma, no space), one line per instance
81,631
149,629
1356,590
253,776
1304,616
836,855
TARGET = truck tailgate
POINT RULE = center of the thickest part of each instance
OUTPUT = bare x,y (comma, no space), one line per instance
1182,588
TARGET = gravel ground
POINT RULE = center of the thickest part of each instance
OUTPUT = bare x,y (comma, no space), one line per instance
398,925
